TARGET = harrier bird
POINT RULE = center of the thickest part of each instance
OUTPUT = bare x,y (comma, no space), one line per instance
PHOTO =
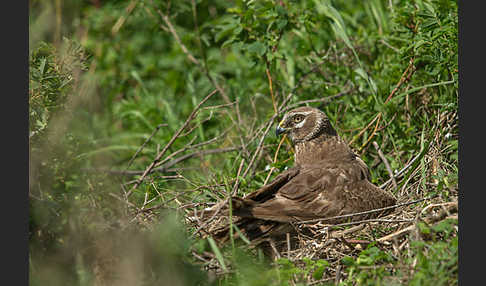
327,180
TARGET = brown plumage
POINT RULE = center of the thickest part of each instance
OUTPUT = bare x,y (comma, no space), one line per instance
328,180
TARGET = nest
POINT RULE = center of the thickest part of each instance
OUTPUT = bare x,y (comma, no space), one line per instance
330,242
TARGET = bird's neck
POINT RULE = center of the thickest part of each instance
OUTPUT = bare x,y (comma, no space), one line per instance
324,147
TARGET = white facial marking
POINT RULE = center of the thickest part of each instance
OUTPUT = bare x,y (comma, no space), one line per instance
300,124
305,113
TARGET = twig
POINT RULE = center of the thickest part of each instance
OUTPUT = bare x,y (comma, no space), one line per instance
288,244
338,275
198,153
410,70
390,46
372,220
203,54
220,205
364,129
172,140
260,144
176,37
190,56
237,183
399,173
190,146
431,219
324,99
320,281
387,165
143,145
119,23
270,84
367,212
274,248
372,133
275,158
396,234
346,231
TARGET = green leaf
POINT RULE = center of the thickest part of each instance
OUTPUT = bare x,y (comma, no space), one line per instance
217,253
256,48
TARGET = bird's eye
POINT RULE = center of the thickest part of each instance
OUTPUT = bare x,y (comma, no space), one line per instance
298,118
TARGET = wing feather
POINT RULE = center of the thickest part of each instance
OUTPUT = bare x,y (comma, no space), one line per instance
317,192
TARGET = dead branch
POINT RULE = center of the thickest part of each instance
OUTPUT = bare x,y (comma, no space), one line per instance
387,165
367,212
399,173
143,145
405,77
172,140
184,49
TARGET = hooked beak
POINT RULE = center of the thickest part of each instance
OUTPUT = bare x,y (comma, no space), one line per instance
279,130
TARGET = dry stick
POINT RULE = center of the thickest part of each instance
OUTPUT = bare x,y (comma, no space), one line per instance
190,56
396,234
267,128
444,211
387,165
260,144
274,248
403,79
119,23
412,227
372,133
372,220
220,206
267,70
387,123
274,103
193,205
288,244
366,212
338,275
203,54
275,159
319,281
401,171
237,183
172,140
240,123
190,146
364,129
324,100
199,153
346,231
132,172
390,46
173,154
176,37
271,87
166,166
143,145
177,152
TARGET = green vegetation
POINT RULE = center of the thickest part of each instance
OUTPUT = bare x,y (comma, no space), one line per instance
111,84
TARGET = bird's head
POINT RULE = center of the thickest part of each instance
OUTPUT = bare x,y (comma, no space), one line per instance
304,124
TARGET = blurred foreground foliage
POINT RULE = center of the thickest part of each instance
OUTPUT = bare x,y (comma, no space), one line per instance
115,74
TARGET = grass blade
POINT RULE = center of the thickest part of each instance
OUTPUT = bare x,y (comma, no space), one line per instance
217,253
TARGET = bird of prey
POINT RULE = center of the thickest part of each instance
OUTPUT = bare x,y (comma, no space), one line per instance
327,180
